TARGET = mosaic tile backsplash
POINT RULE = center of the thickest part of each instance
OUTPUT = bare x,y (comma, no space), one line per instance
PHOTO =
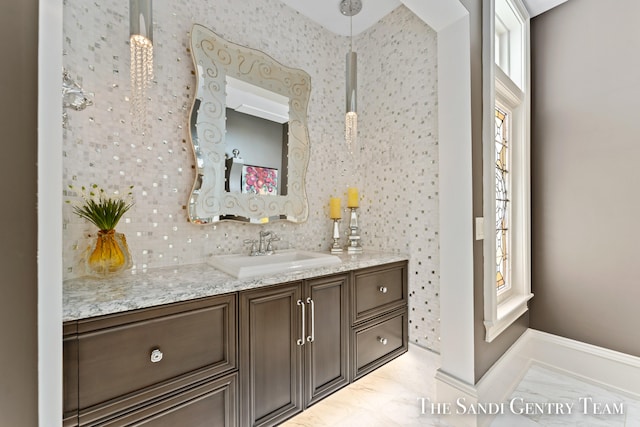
395,166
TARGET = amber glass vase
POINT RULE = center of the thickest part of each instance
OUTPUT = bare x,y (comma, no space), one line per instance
110,254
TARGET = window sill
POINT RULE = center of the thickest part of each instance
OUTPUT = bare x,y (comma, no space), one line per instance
507,312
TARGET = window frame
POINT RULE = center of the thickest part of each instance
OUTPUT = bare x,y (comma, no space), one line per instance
500,311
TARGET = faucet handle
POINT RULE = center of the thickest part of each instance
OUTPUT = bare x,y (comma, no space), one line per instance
253,243
273,238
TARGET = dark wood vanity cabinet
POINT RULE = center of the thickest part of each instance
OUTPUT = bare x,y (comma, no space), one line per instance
250,358
147,367
294,347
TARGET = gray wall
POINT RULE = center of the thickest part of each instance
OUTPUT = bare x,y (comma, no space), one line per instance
18,219
260,141
486,354
586,173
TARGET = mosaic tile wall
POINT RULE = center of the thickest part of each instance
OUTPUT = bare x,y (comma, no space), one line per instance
400,152
398,135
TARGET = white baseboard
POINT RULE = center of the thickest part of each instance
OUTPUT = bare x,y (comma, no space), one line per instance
450,391
606,368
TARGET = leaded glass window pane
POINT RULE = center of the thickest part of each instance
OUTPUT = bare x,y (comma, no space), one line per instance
502,197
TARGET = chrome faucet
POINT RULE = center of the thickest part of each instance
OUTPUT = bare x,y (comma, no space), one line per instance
262,249
264,246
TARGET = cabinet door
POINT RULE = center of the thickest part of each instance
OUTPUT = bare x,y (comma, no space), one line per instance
271,359
326,351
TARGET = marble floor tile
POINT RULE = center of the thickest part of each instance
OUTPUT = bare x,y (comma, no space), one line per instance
387,397
549,397
633,414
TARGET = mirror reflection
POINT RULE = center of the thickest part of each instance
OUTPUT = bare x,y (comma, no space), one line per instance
257,131
248,129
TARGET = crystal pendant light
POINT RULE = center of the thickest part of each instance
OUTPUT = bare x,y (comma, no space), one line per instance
141,43
350,8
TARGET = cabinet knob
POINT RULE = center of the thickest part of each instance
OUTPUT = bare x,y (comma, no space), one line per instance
383,289
156,355
382,341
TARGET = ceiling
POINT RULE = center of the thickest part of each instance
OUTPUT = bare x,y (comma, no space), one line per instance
327,13
536,7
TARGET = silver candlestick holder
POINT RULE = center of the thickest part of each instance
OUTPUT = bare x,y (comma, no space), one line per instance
354,246
336,248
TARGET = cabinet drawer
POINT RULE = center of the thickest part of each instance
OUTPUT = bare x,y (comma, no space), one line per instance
378,290
377,343
194,338
213,404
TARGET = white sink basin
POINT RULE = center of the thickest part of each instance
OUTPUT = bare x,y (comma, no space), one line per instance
242,266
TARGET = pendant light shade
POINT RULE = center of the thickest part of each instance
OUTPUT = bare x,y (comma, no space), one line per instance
352,82
140,19
351,117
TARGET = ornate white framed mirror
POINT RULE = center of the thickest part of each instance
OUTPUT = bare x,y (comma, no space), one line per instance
242,96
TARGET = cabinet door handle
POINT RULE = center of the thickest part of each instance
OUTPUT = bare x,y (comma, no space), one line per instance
382,341
383,289
312,337
302,334
156,355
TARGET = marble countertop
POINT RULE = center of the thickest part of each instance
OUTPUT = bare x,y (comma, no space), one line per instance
90,297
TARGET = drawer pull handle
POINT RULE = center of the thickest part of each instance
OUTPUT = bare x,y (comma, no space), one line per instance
382,341
156,355
383,289
312,337
302,334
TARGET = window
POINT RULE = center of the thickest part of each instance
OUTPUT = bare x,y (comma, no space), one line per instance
506,187
509,32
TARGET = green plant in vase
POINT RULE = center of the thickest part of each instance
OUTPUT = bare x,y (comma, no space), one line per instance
111,252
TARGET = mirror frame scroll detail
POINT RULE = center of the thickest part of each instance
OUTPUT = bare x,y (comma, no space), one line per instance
214,58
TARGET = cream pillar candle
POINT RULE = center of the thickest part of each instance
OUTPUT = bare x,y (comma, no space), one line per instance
352,197
334,208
